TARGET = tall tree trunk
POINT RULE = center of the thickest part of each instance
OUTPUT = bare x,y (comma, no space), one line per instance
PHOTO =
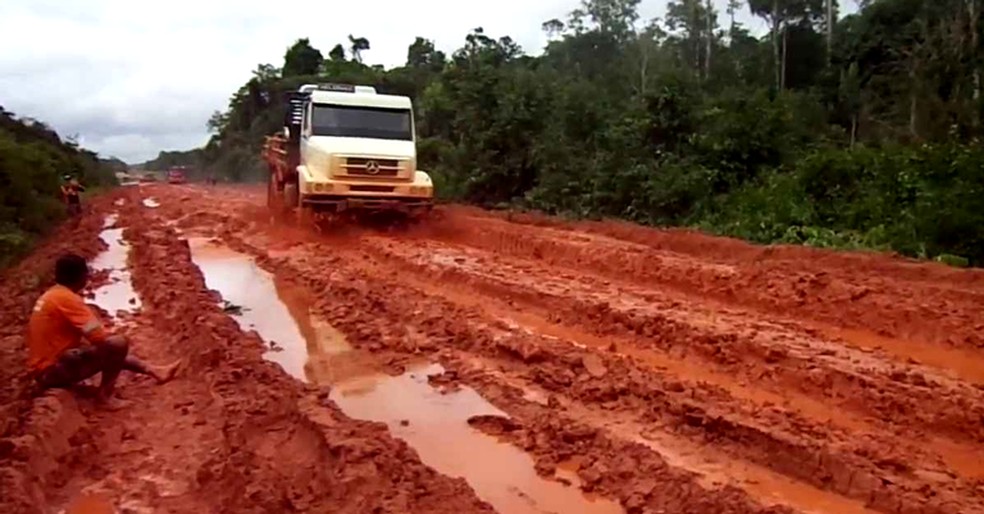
854,129
977,83
913,101
697,66
732,7
975,61
710,40
913,121
695,31
775,44
830,29
782,73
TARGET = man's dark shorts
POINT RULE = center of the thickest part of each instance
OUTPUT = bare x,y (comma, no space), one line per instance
73,366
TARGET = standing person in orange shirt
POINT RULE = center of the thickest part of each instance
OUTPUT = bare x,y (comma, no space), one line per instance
71,194
67,344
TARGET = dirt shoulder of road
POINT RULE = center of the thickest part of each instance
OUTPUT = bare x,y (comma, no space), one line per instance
233,433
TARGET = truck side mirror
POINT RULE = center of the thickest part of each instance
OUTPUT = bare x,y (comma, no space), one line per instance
306,130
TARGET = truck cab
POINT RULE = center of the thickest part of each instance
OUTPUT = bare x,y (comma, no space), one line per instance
348,147
176,175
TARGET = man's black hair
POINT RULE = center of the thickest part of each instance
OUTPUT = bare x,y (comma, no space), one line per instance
70,269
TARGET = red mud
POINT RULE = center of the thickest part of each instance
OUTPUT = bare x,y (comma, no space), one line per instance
899,298
667,371
233,433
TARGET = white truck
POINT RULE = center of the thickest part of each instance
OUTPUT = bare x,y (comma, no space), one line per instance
343,148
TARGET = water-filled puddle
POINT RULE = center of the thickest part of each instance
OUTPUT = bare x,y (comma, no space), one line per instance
117,294
433,422
251,297
87,503
150,202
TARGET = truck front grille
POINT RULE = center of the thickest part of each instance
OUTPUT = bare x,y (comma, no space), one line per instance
371,189
368,167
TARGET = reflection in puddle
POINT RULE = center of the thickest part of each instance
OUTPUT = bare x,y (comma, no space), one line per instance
150,202
118,293
245,285
435,424
91,503
307,347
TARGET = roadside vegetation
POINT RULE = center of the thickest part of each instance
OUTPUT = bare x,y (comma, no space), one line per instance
862,133
33,160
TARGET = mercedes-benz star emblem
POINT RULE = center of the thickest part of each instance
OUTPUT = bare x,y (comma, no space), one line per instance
372,167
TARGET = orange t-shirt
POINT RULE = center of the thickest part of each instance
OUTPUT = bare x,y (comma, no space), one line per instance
60,320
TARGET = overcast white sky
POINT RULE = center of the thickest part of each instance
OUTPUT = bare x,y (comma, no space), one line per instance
132,78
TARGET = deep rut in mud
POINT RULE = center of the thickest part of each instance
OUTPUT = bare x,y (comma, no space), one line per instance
480,362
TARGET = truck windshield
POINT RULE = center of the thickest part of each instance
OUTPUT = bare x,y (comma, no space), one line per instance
354,121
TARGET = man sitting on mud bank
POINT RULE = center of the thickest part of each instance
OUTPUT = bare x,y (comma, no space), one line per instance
58,356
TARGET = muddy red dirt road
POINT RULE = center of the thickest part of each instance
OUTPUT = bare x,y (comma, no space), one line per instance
483,362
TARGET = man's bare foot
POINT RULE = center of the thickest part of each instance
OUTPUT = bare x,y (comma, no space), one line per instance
85,390
167,373
111,403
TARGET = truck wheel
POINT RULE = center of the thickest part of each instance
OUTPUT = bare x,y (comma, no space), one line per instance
291,198
275,202
305,216
418,215
272,202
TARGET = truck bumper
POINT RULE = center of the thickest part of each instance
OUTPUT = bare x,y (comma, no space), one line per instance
334,195
419,189
336,203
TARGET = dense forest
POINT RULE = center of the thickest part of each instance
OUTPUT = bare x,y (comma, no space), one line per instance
167,159
858,131
33,160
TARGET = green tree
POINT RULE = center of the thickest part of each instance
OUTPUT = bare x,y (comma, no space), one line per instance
422,55
33,159
337,53
358,45
860,131
692,25
613,17
302,59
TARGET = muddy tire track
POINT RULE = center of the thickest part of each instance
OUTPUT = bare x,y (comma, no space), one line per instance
796,357
363,302
892,297
607,346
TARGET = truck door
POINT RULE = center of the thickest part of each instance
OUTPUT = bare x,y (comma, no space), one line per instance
306,129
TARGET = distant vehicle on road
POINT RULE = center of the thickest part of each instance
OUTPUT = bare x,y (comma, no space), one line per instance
148,177
177,175
127,178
